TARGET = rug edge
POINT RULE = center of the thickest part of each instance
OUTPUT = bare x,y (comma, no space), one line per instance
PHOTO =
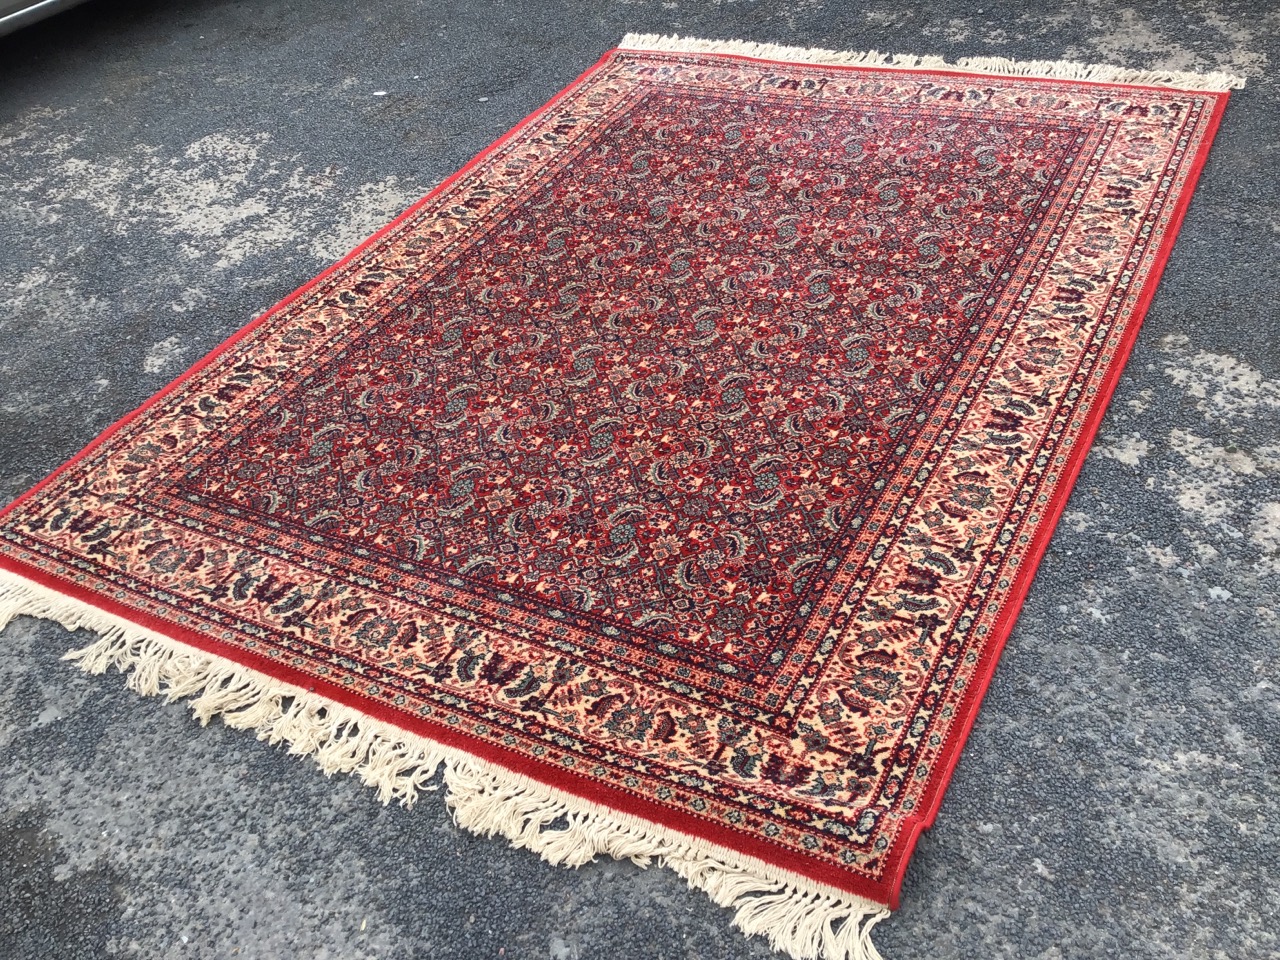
802,917
1212,82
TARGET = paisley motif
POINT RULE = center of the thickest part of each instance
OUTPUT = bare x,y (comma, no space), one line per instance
691,449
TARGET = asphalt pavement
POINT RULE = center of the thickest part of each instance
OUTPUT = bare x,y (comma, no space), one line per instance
168,171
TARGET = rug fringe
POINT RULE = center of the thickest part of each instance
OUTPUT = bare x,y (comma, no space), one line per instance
806,919
996,66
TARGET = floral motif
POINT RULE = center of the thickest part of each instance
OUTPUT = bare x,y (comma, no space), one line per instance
691,444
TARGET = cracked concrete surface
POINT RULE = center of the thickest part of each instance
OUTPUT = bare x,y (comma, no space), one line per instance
166,173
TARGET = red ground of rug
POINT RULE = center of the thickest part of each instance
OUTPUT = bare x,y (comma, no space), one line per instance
690,450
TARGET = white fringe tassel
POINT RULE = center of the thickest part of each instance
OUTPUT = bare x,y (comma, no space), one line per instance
997,66
801,917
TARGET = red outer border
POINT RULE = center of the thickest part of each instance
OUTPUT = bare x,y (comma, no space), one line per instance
886,891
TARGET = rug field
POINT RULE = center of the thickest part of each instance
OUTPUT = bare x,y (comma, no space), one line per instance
670,477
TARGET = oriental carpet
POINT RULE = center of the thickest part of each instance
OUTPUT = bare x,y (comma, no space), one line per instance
671,475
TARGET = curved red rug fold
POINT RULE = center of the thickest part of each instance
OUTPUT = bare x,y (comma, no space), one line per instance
674,471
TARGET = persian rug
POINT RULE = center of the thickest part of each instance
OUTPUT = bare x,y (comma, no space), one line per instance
670,477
